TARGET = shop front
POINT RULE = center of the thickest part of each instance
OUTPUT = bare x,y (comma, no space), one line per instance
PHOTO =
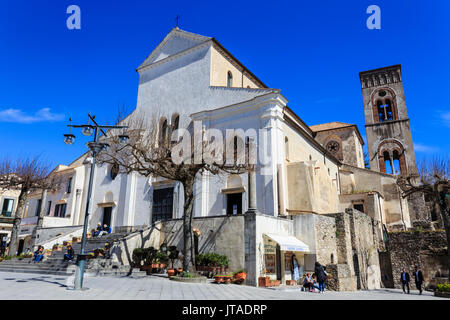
279,251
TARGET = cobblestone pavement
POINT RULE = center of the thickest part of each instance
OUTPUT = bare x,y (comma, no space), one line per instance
14,286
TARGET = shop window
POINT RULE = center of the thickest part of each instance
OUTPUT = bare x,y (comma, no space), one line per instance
270,262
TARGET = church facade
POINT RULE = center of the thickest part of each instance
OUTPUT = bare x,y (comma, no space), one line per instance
311,186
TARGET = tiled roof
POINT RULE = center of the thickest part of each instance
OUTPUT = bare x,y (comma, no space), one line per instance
329,126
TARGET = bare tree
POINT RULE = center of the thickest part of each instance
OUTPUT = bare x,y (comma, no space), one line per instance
25,175
150,151
433,182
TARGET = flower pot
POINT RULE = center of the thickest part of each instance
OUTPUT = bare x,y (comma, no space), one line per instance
219,279
240,277
275,283
180,270
227,279
263,282
171,272
290,282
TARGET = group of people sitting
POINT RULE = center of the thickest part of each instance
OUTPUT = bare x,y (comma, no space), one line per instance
69,255
39,254
316,280
100,231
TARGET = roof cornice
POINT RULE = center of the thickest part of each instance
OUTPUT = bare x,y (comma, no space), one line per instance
174,32
143,68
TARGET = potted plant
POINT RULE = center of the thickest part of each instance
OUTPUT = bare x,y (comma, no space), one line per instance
173,255
199,261
239,276
150,259
227,278
162,259
218,279
137,257
442,290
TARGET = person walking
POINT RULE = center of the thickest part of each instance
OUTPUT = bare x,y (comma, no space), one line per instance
320,276
404,279
418,277
294,266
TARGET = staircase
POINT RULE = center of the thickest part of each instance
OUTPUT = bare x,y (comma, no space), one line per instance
55,264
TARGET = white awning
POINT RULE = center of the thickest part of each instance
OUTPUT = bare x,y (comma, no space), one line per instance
289,243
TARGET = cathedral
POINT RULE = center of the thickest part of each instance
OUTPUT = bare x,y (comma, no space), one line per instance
315,195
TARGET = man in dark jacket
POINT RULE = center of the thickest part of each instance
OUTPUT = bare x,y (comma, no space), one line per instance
404,279
418,277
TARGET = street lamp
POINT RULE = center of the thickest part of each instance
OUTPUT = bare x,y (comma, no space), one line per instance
95,147
87,131
69,139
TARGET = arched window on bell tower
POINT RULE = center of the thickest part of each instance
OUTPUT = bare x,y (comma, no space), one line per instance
384,107
388,109
387,163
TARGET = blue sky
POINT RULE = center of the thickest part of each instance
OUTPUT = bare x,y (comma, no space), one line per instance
311,50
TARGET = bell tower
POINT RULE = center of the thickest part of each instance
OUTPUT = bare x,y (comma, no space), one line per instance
389,139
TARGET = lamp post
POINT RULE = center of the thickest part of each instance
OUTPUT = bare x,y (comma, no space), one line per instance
95,147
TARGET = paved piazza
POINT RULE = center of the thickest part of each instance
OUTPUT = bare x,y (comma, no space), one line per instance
16,286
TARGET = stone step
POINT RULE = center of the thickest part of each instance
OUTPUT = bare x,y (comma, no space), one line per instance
51,272
89,272
36,269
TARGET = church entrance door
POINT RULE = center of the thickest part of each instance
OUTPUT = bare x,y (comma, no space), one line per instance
234,203
107,212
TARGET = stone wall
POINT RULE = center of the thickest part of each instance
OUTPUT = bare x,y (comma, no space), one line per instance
357,265
426,249
220,234
326,246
